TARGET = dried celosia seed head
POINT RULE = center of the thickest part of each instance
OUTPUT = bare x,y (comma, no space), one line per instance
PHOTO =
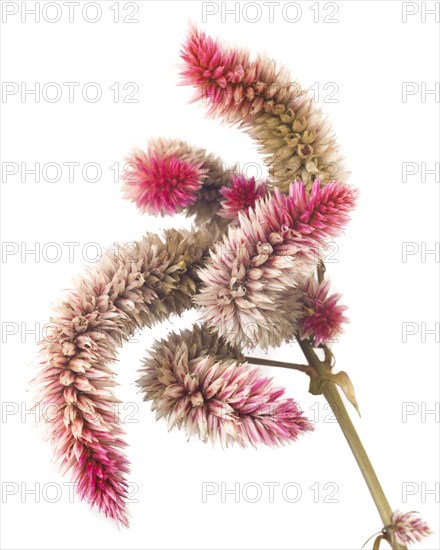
218,398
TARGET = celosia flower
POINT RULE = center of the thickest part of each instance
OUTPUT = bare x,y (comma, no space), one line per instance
409,528
272,249
130,288
206,173
240,196
218,398
161,184
272,108
322,316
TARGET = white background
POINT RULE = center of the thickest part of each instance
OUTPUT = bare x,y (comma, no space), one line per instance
368,54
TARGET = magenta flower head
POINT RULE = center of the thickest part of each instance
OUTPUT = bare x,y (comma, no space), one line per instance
240,196
409,528
213,70
218,399
323,316
162,183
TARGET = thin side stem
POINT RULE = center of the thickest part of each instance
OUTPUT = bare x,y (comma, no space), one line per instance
320,271
269,363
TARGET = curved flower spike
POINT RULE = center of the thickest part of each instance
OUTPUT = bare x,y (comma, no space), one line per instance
173,177
274,247
217,397
134,288
273,109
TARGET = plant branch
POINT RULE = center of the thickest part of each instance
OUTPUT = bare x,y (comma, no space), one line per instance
269,363
337,405
319,369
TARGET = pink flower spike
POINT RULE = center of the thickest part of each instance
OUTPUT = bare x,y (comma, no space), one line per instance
161,184
220,400
409,528
325,212
242,195
324,316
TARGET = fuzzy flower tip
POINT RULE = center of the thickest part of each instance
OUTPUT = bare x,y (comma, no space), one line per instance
231,84
219,399
273,248
409,528
323,316
162,184
240,196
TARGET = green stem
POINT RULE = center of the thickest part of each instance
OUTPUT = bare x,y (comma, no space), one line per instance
317,368
320,269
269,363
333,397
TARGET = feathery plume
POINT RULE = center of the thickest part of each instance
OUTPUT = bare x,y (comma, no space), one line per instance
273,248
409,528
273,109
132,289
217,396
322,317
173,177
240,196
